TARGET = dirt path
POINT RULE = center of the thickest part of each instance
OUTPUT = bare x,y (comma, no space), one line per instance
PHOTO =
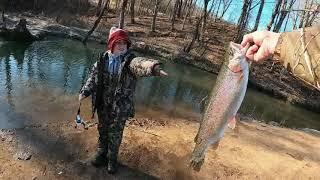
157,146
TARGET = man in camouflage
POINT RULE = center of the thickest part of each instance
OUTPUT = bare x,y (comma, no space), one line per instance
111,83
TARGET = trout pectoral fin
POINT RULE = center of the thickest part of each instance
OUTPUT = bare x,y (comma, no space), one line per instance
236,68
232,123
240,77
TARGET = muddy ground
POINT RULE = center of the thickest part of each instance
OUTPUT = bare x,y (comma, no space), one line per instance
155,145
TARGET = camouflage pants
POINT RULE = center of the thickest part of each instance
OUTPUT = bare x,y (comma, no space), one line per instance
110,129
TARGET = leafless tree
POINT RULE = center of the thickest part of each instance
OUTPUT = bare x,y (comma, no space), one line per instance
132,11
179,8
187,14
155,12
96,23
274,14
285,8
193,9
217,11
226,4
313,16
167,6
243,20
309,13
195,36
204,18
256,24
99,8
174,12
123,9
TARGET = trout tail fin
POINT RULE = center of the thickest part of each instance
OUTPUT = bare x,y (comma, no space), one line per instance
232,123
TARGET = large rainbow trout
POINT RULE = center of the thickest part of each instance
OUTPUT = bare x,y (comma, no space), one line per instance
225,100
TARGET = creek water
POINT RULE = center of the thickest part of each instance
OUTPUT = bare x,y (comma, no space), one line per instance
35,76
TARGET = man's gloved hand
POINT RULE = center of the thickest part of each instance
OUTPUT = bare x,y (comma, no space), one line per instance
157,70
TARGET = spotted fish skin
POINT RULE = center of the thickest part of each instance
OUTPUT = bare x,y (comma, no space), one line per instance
223,103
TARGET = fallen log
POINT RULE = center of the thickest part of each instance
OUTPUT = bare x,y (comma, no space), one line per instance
19,32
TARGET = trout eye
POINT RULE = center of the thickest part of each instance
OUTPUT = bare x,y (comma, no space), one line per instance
231,52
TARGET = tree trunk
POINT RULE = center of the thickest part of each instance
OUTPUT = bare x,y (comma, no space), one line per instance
275,12
185,4
173,19
117,4
132,11
217,12
167,6
313,16
99,8
285,26
139,8
283,15
4,9
35,5
96,23
295,21
3,19
155,12
243,20
204,17
193,8
179,8
187,49
123,9
308,14
258,16
187,14
226,6
211,7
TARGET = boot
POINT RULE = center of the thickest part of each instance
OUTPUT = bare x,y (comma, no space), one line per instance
100,158
112,166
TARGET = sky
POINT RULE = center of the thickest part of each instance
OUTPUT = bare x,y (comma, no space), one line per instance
234,12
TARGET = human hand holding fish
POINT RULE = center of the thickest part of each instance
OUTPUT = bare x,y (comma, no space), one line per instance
263,45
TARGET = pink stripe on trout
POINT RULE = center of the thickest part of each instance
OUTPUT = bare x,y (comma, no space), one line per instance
225,100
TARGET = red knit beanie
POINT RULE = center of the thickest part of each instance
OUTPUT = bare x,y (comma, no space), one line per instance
117,34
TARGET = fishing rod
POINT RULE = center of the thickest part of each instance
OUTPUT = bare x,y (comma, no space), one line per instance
79,121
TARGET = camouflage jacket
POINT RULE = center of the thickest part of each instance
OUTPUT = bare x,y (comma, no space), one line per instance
299,51
115,92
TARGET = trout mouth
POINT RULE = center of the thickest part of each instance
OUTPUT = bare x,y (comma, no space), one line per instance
237,57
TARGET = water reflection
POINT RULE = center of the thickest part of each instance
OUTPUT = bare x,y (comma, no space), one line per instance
64,64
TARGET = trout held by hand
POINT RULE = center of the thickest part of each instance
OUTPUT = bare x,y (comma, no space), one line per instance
223,103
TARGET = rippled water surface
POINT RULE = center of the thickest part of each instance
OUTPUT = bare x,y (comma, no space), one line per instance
43,78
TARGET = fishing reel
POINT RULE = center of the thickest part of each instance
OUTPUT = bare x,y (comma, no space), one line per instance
80,123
